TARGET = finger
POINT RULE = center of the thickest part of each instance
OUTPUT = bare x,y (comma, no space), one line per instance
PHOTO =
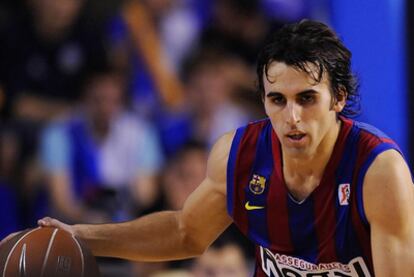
46,221
50,222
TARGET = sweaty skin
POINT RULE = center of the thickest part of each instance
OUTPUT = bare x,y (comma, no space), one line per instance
304,118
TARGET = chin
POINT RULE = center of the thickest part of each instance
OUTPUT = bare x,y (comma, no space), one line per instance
295,152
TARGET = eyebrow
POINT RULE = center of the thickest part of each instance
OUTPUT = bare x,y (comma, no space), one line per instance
308,91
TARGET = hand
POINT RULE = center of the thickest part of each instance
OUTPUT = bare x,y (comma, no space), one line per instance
51,222
44,222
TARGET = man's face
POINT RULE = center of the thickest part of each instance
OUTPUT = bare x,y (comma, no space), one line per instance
56,15
104,99
301,110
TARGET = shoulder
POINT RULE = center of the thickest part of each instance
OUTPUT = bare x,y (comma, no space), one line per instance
388,190
370,137
217,161
369,129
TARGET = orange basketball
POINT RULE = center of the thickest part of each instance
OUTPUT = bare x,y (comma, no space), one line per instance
46,252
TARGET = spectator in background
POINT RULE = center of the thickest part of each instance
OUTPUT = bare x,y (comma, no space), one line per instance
224,258
181,175
149,39
101,162
46,47
137,44
10,210
8,156
239,27
44,54
219,95
215,82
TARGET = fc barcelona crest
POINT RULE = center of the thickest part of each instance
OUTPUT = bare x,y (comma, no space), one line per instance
257,184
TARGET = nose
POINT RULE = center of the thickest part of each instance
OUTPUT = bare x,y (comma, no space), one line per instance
292,114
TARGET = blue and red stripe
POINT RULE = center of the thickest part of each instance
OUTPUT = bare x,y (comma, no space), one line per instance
346,232
246,151
277,214
263,167
318,229
231,167
325,197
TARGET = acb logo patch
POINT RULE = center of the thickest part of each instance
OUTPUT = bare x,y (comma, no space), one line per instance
344,193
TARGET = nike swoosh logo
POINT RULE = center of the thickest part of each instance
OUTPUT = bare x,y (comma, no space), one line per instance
251,208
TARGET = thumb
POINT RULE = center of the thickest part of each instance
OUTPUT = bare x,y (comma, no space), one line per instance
47,222
51,222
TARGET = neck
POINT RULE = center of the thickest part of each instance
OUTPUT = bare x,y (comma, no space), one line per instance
99,128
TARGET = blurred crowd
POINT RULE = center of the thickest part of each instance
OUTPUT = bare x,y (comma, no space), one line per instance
109,109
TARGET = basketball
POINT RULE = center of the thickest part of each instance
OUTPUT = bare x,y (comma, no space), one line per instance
46,252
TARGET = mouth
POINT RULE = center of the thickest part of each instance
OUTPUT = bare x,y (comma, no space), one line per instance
295,136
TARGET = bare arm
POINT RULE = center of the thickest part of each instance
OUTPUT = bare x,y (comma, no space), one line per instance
389,205
38,108
168,235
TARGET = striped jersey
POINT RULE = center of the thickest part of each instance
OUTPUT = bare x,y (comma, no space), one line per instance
326,234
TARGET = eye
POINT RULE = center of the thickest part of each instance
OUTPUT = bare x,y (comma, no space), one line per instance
278,100
306,99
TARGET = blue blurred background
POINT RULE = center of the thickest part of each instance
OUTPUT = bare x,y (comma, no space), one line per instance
375,32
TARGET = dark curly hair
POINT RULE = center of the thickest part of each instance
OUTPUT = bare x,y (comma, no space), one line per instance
312,42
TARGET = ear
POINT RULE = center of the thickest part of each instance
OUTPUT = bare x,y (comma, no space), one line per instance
340,101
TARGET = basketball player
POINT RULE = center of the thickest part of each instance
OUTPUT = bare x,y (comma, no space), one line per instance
318,193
